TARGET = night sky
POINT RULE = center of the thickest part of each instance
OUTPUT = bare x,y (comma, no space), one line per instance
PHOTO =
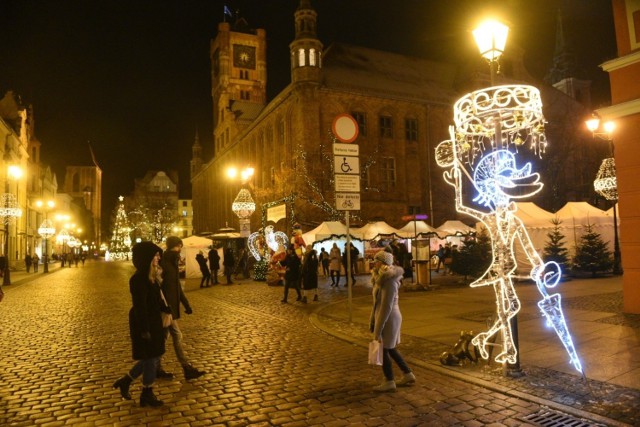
133,77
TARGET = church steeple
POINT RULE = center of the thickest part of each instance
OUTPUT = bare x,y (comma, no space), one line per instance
196,156
565,73
306,49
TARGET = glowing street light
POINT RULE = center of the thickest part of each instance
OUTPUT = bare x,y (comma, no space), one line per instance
47,229
491,39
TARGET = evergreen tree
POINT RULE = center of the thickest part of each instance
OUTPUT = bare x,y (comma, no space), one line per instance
474,257
120,239
555,249
592,254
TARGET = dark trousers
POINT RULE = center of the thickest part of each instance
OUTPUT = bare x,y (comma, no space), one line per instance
335,273
291,283
214,276
206,277
387,355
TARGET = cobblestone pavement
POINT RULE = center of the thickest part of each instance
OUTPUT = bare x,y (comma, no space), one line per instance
64,341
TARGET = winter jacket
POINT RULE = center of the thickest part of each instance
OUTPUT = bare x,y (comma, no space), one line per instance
335,260
214,260
171,283
144,316
386,318
310,271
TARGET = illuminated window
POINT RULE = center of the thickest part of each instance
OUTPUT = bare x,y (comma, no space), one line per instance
312,57
301,61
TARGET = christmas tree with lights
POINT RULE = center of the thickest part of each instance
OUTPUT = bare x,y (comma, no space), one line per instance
119,246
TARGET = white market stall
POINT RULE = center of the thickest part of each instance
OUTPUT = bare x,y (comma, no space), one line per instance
191,246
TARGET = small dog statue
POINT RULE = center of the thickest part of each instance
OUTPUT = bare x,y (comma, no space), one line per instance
462,351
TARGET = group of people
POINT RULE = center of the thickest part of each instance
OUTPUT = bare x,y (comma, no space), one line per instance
210,272
333,261
155,288
31,260
300,274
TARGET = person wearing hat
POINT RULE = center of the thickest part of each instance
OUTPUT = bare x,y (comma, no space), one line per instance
175,295
385,320
145,323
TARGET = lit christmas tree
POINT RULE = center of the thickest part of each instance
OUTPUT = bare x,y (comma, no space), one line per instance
120,243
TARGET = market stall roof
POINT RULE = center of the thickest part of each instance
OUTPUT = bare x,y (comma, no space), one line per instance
534,216
454,228
196,242
376,229
582,213
412,228
328,229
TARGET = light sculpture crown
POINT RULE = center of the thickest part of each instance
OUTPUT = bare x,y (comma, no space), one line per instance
243,205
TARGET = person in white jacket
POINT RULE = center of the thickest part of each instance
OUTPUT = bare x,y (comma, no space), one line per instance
386,319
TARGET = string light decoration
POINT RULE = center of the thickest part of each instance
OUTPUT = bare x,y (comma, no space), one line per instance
491,126
46,229
9,208
264,240
243,206
606,183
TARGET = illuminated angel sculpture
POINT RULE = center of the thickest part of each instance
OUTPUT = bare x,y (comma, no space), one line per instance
491,125
265,241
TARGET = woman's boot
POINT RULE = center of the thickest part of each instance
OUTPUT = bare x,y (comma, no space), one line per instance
148,398
123,384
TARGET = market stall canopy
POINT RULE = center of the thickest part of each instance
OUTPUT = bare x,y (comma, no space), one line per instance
582,213
328,229
420,228
190,248
454,228
373,230
534,216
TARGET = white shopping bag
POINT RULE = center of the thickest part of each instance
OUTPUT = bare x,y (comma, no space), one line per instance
375,353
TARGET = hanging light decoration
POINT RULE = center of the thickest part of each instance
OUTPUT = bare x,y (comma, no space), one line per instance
46,229
243,205
606,183
9,208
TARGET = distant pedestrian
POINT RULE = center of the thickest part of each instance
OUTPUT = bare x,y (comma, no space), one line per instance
214,264
83,258
335,264
310,275
145,323
386,320
228,263
27,262
324,260
206,274
35,260
440,255
175,296
354,259
292,273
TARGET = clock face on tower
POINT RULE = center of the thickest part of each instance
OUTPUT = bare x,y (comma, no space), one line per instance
244,56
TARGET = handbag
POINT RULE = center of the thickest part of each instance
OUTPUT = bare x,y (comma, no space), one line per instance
167,318
375,353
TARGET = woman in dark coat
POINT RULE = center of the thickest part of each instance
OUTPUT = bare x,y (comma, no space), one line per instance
310,275
204,269
145,323
228,262
214,264
291,274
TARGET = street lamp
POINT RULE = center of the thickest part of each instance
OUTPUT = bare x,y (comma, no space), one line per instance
46,229
9,211
243,205
491,38
606,183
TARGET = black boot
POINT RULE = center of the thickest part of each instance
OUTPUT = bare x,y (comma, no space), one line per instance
161,373
123,384
191,373
148,398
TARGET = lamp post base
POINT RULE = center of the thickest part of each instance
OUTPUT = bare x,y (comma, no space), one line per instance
6,277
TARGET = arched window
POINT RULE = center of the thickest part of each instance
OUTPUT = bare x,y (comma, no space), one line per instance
312,57
301,61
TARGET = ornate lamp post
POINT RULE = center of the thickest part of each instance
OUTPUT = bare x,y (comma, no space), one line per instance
9,211
47,229
606,183
243,205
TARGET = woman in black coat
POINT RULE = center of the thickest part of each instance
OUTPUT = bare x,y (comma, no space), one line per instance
204,269
310,275
145,323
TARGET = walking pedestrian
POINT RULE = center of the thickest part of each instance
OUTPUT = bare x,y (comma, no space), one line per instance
335,265
35,260
228,263
354,259
324,260
214,264
206,274
175,296
27,262
440,255
310,275
145,323
386,320
292,274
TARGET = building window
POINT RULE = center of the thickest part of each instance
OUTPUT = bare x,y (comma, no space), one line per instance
388,165
312,57
386,127
361,119
301,61
184,203
411,129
